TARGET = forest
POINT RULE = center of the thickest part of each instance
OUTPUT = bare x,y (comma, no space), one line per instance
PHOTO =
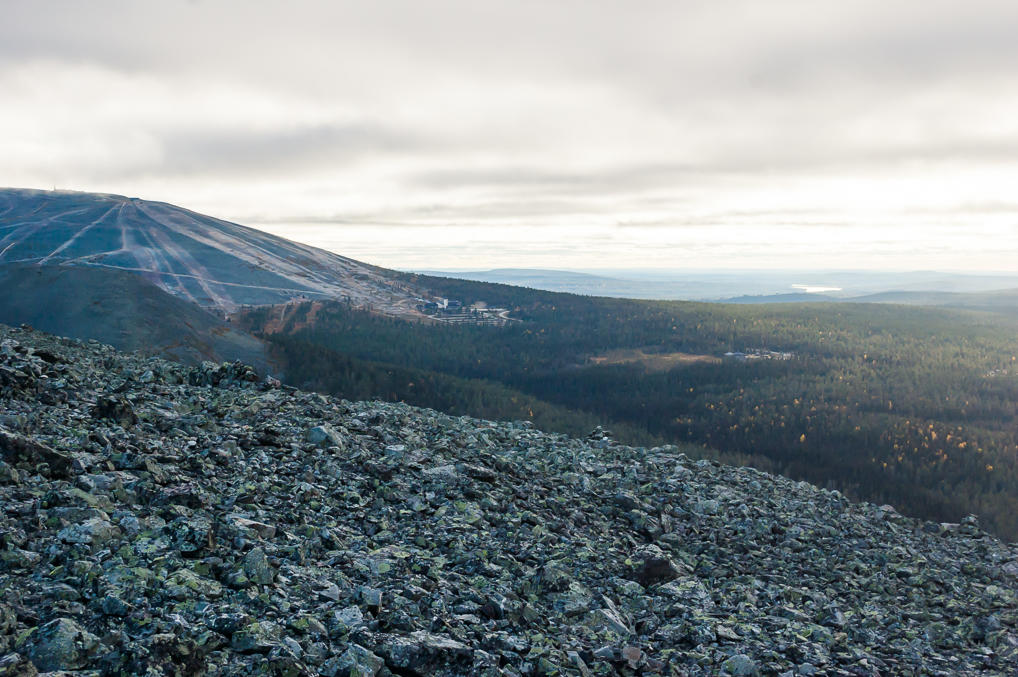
910,406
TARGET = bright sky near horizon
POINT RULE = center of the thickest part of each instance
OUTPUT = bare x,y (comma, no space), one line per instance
474,134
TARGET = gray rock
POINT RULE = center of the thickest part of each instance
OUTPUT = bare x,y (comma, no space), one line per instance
18,448
16,665
426,653
114,606
345,620
94,531
740,665
257,567
115,408
257,637
61,644
325,436
654,567
356,661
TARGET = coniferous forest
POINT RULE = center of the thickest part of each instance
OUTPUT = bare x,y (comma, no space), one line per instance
910,406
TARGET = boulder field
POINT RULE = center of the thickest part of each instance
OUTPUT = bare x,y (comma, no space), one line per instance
159,519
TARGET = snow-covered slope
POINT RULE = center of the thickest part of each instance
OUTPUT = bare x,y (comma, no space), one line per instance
214,263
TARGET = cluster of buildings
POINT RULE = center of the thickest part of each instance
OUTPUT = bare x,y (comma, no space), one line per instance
453,311
438,305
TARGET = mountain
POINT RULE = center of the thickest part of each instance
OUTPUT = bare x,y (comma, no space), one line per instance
160,519
1000,301
213,263
150,276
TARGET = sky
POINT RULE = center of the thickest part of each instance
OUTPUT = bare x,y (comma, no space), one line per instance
473,134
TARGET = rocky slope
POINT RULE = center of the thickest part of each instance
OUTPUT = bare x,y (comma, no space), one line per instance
159,519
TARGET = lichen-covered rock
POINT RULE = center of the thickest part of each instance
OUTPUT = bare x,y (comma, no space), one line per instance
31,453
257,568
257,637
16,665
115,408
325,436
740,665
653,566
61,644
425,653
356,661
94,531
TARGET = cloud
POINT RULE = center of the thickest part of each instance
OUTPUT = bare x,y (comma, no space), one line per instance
245,151
576,116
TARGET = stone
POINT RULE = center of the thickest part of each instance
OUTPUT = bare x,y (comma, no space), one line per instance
257,637
344,620
94,531
16,665
740,665
424,653
654,567
17,448
266,531
357,661
61,644
114,606
213,537
632,655
324,436
257,567
115,408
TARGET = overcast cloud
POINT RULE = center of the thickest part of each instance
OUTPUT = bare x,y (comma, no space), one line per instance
566,134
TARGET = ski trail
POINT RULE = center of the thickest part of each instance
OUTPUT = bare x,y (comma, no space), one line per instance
228,242
223,235
239,285
81,232
151,256
163,247
29,227
182,256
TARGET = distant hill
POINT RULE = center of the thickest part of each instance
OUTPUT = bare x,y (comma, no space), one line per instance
741,286
1004,301
561,281
782,298
213,263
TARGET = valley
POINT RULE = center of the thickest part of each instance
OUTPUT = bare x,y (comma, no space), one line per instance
887,403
